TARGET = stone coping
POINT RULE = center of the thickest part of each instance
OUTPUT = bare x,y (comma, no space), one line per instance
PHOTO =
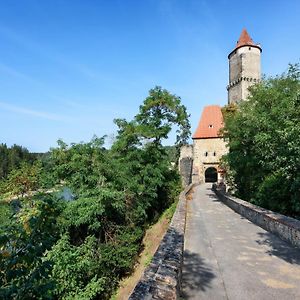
162,278
286,228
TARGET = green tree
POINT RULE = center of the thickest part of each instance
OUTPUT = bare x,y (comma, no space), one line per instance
159,112
11,158
24,272
79,166
22,180
86,245
139,150
263,133
118,192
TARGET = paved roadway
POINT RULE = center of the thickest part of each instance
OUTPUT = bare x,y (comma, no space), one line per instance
228,257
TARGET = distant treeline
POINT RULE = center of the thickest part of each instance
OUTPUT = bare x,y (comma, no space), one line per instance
12,157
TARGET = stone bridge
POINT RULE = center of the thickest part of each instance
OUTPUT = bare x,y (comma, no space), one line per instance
212,251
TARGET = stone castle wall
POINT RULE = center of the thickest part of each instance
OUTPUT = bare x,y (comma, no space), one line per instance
244,71
186,164
162,278
186,151
207,153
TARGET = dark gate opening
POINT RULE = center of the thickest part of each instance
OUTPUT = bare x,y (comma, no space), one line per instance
211,175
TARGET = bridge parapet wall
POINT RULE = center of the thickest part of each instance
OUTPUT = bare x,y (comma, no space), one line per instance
284,227
185,164
162,278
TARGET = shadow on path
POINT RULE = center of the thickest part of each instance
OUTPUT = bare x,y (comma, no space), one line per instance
196,274
279,248
211,194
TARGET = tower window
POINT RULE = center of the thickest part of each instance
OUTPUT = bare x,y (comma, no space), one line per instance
206,153
249,48
210,126
215,153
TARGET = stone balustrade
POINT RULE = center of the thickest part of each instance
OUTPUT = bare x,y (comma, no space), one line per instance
284,227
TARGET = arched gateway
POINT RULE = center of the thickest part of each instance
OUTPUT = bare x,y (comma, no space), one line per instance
211,175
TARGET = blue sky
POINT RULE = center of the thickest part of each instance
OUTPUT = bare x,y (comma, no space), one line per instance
68,68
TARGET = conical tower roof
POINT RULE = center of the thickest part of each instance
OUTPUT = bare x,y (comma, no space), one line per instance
245,40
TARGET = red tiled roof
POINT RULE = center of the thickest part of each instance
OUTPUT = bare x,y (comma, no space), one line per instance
210,123
245,40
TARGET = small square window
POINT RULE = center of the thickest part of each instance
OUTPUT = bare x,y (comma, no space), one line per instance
210,126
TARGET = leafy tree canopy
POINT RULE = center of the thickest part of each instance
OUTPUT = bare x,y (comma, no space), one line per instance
12,157
87,244
263,134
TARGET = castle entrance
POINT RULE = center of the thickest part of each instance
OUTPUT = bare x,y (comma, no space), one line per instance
211,175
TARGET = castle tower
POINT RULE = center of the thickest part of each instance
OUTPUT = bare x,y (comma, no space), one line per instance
201,162
244,68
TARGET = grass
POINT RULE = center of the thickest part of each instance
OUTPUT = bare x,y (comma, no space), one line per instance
148,258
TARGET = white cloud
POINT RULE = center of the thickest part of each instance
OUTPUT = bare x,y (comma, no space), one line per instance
34,113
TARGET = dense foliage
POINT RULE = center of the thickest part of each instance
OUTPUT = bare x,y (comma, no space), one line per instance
263,134
81,248
12,157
